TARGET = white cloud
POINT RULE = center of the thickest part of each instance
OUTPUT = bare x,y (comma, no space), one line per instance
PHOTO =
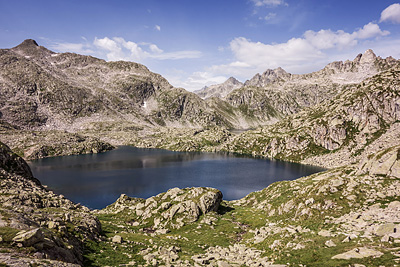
196,80
187,54
327,39
157,27
391,14
80,48
269,17
370,30
118,48
154,48
269,3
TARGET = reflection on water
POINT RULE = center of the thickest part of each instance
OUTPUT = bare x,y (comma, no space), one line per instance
97,180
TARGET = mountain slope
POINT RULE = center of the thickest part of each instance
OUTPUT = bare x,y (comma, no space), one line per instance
357,122
42,88
276,93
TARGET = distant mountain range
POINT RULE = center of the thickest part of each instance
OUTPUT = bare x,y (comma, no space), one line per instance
78,97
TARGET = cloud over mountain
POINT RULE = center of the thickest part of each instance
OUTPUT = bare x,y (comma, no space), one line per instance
391,14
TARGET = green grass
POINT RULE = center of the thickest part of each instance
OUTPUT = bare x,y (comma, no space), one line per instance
8,233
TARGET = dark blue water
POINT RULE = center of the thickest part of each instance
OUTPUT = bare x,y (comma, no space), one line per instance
97,180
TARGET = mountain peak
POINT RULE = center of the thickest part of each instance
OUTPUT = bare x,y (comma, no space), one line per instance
368,57
28,43
219,90
232,80
30,47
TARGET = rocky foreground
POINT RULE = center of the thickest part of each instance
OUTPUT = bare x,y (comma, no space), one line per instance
347,216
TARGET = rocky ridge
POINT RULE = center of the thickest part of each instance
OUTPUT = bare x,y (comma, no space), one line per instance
43,89
81,104
276,93
360,121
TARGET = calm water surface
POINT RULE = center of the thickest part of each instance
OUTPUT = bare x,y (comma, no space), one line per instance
97,180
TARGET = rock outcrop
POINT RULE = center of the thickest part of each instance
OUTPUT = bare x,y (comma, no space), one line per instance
170,210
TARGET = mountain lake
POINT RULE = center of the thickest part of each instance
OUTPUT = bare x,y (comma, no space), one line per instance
97,180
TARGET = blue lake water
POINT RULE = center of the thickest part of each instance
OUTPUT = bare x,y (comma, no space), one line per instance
97,180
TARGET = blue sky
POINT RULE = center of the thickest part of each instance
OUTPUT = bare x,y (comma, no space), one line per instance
196,43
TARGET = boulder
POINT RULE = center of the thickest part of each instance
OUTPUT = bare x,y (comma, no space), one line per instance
386,162
29,238
358,253
386,229
14,164
117,239
210,201
171,209
330,244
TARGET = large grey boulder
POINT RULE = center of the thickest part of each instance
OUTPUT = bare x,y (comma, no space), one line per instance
29,238
358,253
172,209
386,162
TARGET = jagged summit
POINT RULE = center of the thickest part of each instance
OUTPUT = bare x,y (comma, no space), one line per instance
268,77
368,57
219,90
232,80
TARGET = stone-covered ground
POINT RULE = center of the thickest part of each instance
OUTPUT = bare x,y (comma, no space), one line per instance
349,216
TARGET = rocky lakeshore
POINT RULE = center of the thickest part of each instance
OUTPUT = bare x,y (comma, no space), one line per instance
343,216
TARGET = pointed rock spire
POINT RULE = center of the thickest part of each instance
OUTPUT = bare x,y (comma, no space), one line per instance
368,57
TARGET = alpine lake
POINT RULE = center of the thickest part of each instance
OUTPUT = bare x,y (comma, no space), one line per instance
97,180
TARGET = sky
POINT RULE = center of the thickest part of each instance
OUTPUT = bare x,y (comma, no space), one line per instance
198,43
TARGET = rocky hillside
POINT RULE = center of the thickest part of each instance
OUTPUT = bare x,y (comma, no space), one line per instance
347,216
219,90
41,89
38,227
359,121
59,104
276,93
